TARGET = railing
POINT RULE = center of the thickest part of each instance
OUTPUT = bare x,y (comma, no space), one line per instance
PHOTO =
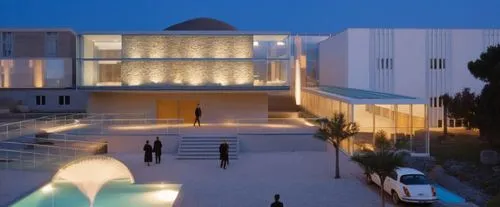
44,123
177,126
117,126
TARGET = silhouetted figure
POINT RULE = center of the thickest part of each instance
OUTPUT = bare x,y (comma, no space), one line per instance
157,149
197,114
277,202
148,153
224,154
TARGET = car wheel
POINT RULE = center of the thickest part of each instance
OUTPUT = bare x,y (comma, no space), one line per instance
395,197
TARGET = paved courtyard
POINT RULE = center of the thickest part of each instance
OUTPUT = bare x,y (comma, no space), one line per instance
302,179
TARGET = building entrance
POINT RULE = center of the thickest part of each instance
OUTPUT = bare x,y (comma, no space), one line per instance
176,109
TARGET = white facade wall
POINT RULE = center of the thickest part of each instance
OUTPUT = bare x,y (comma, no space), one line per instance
358,58
333,55
423,63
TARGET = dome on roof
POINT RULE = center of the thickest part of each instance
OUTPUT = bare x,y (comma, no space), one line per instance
201,24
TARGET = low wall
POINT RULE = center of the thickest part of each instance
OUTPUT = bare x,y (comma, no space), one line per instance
248,142
280,143
134,144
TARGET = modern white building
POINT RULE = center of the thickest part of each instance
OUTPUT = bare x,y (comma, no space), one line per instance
422,63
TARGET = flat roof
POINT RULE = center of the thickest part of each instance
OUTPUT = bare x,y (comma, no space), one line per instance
190,32
360,96
184,88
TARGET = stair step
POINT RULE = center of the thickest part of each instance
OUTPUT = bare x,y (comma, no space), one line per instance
206,147
204,144
202,150
202,158
208,141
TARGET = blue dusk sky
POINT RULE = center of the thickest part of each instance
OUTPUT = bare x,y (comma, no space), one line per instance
308,16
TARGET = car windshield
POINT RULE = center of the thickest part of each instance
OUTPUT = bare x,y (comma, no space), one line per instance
414,180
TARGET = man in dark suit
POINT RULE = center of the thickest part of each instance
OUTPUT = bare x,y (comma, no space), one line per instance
277,202
157,149
224,154
197,114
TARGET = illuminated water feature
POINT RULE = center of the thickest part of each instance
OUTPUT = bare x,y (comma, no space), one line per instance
91,173
98,181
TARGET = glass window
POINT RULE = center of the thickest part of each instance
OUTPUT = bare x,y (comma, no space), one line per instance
7,44
51,44
64,100
271,46
40,100
414,180
101,46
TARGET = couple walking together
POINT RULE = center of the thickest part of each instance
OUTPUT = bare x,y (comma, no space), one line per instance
148,151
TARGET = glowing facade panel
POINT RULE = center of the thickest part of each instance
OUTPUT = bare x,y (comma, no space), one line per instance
187,73
187,46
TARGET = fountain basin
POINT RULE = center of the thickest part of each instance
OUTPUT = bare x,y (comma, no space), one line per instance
114,193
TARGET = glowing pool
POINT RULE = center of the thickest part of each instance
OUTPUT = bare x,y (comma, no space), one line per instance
114,193
98,181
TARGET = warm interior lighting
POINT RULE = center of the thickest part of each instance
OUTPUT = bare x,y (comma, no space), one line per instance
47,188
108,84
280,43
298,86
255,43
166,195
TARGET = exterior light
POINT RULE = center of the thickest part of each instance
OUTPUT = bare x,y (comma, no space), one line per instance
280,43
48,188
298,86
166,195
255,43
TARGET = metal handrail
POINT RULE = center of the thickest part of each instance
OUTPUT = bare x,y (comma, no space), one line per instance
47,146
34,153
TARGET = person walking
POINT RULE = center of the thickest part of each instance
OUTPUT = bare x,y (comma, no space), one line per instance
157,149
224,154
148,153
197,114
277,202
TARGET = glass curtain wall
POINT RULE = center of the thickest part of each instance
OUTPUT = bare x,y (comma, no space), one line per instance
36,73
404,125
184,60
306,49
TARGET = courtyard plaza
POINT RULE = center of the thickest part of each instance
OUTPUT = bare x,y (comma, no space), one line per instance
302,179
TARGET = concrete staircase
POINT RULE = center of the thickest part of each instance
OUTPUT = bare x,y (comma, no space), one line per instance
206,147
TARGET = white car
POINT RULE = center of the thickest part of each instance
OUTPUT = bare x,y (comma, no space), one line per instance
407,185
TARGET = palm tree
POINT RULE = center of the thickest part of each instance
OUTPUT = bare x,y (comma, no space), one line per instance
335,130
381,162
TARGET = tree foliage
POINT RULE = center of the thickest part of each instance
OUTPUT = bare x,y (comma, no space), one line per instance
487,69
335,130
464,106
381,162
381,141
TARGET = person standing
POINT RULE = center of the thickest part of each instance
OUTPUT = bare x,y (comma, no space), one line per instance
148,153
157,149
224,154
197,114
277,202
